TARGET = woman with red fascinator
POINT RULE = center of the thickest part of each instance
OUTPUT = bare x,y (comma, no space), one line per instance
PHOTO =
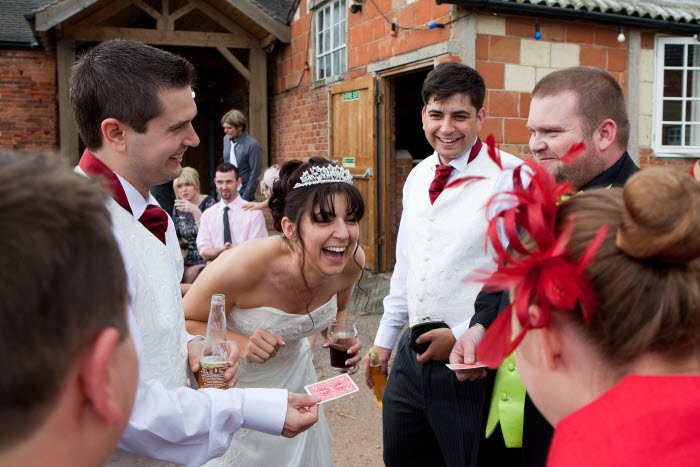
605,320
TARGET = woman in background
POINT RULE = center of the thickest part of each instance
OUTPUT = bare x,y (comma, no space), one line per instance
189,205
266,183
606,318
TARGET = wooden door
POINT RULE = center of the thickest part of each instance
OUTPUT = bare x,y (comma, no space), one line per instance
353,137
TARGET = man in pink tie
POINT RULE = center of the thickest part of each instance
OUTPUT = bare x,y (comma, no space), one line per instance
226,224
70,372
134,107
429,417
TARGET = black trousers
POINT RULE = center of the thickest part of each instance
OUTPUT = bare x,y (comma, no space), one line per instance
430,418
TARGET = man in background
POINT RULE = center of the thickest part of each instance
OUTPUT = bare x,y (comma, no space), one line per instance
580,104
70,372
227,224
243,151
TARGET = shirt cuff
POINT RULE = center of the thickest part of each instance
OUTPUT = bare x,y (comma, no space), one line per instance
460,329
386,336
265,410
191,338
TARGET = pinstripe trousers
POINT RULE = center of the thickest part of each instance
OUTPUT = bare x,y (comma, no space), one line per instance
429,417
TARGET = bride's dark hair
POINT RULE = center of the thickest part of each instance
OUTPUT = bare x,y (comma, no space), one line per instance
316,200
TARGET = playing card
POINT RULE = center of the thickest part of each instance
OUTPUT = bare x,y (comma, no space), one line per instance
333,388
465,366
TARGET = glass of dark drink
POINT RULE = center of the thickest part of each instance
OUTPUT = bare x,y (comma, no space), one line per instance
342,335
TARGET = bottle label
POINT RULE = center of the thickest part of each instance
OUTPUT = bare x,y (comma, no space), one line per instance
211,373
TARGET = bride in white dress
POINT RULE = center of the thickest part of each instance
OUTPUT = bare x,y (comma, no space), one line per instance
280,290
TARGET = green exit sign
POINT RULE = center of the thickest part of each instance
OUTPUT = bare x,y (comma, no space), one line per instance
351,95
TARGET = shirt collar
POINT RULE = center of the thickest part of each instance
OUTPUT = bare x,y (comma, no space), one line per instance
608,176
460,163
233,204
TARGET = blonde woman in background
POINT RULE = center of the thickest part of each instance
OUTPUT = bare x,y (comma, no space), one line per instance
189,205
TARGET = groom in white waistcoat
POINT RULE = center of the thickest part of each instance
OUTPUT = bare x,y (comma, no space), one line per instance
430,418
134,108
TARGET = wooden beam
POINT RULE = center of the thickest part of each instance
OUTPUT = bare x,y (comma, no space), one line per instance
161,37
220,18
68,130
182,11
102,14
59,12
235,62
150,11
280,30
266,41
257,87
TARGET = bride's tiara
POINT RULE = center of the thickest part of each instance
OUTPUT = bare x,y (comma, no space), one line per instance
316,175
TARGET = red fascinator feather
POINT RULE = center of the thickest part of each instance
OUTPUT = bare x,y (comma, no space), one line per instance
546,275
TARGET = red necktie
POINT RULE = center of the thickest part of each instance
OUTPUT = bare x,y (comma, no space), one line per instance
442,173
156,221
153,218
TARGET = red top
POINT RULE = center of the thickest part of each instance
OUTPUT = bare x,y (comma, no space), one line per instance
643,420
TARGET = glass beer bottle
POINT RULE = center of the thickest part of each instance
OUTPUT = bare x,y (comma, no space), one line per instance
378,381
213,361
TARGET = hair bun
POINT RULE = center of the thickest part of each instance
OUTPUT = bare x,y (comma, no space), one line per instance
662,216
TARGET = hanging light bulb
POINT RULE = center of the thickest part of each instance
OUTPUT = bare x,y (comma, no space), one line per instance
393,32
537,35
306,66
621,36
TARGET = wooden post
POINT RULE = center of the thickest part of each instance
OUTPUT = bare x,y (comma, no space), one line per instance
257,118
68,130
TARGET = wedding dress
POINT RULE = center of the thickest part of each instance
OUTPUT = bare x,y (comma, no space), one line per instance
290,369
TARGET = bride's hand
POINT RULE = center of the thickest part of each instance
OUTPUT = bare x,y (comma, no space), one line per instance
356,357
262,346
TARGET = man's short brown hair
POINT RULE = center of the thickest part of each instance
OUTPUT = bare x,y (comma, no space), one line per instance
599,97
123,79
62,281
235,118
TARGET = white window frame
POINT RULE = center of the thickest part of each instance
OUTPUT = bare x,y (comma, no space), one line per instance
681,150
332,23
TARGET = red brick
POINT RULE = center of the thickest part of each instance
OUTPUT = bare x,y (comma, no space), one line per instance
438,11
423,12
516,131
504,49
593,56
492,126
380,28
518,28
525,99
503,104
579,34
482,47
415,39
608,38
648,40
493,73
617,60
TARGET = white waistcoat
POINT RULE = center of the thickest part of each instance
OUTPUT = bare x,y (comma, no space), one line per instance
157,307
446,243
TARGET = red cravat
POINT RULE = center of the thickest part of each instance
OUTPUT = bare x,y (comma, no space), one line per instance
156,221
153,218
442,173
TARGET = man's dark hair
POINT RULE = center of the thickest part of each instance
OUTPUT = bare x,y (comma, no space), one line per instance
599,97
62,281
225,167
123,79
451,78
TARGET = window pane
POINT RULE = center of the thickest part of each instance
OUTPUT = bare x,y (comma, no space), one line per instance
692,83
343,10
336,63
692,135
673,83
342,61
693,55
671,135
673,55
341,41
672,111
692,111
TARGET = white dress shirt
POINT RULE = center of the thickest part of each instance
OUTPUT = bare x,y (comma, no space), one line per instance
182,425
396,303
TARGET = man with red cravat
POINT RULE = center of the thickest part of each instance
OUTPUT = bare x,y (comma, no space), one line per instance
134,108
429,417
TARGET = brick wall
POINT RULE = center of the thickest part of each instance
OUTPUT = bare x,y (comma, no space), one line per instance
28,115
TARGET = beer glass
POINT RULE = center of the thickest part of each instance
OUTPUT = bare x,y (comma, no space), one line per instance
342,335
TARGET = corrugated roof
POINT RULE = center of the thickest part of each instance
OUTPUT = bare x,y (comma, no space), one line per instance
687,11
13,25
